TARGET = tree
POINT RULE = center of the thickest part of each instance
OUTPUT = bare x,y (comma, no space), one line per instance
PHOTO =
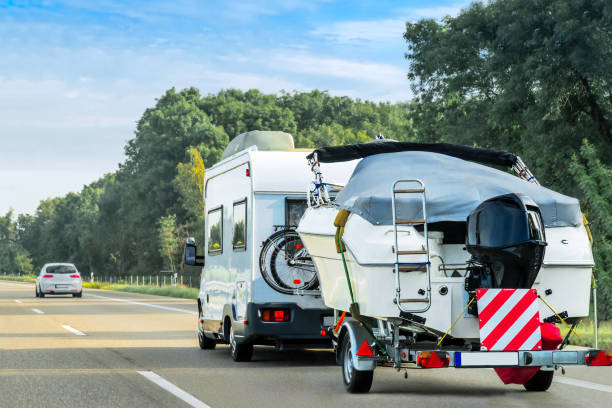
515,74
170,241
595,181
531,77
14,259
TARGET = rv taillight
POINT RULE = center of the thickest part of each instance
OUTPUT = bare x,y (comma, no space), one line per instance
47,276
433,359
275,315
248,173
598,358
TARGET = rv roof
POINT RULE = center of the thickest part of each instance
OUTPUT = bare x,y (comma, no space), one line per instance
282,171
263,139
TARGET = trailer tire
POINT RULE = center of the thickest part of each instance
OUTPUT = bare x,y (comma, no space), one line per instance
240,352
540,382
355,382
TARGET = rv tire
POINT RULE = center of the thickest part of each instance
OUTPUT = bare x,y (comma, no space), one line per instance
540,382
204,342
240,352
355,382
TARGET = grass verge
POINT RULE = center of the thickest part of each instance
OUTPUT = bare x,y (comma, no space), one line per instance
586,334
23,278
172,291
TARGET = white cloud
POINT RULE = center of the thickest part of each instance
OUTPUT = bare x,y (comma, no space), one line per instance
351,31
437,12
371,72
383,30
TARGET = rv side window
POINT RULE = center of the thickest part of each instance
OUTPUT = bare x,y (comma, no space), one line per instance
239,239
215,231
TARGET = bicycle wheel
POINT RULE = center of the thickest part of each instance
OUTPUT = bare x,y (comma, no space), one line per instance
285,263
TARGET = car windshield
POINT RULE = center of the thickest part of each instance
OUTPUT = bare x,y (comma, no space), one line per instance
61,269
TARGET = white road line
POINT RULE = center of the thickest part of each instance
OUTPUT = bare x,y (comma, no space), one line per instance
173,389
583,384
17,301
172,309
73,330
38,311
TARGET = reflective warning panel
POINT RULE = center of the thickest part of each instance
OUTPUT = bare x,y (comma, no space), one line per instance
509,319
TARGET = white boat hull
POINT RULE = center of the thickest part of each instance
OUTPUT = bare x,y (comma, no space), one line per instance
369,258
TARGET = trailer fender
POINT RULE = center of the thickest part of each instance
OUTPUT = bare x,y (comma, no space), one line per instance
358,335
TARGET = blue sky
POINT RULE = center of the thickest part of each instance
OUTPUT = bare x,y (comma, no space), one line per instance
75,75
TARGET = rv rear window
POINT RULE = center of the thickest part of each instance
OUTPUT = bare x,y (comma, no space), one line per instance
294,209
239,239
215,230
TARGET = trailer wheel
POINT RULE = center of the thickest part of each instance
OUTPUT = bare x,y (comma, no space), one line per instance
240,352
354,381
540,382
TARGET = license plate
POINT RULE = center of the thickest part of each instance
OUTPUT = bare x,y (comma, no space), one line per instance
61,286
486,359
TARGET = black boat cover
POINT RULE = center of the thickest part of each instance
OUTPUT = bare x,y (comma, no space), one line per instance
332,154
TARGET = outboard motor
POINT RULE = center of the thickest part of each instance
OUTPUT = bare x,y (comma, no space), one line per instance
505,236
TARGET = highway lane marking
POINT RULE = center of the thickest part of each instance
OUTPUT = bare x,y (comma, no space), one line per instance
172,309
9,372
583,384
17,301
73,330
173,389
38,311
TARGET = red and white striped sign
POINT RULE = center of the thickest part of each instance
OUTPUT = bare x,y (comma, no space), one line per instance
509,319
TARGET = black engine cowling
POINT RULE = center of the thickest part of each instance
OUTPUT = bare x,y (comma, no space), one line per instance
505,236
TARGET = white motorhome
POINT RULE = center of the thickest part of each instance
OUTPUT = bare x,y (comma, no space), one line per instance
258,285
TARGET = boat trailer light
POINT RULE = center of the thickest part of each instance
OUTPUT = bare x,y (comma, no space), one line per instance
275,315
365,350
433,359
599,358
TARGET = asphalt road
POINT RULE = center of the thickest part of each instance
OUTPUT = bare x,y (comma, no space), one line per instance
113,349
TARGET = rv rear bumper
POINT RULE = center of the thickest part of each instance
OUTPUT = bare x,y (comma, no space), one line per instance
303,329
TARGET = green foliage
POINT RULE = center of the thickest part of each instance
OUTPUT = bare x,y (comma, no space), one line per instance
171,238
14,258
595,181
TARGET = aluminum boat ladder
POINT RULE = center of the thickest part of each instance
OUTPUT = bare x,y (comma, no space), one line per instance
405,187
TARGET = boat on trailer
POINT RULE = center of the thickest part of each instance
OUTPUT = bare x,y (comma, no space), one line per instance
431,255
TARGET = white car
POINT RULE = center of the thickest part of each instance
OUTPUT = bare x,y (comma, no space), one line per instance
59,279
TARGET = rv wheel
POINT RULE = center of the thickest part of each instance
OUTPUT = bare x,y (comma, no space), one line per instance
354,381
240,352
540,382
205,342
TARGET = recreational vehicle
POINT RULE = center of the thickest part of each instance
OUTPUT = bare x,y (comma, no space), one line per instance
258,284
